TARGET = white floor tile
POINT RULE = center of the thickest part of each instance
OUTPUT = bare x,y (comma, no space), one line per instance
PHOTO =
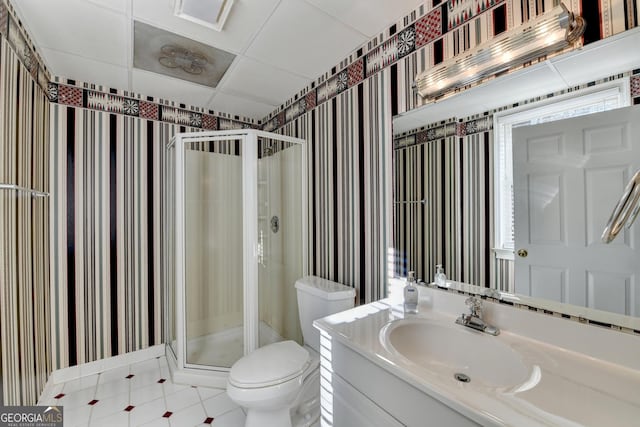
112,388
147,365
190,406
182,399
53,391
160,422
233,418
171,388
189,416
218,405
162,361
119,419
109,406
75,399
148,412
146,394
207,393
80,384
115,374
145,378
77,416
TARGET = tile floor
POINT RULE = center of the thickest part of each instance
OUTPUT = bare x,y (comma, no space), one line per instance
142,394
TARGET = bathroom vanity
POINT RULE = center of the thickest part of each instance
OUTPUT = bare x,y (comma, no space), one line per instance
381,367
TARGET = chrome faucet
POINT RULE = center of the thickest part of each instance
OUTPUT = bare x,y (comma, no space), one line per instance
474,318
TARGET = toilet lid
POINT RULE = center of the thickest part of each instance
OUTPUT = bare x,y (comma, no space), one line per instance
270,365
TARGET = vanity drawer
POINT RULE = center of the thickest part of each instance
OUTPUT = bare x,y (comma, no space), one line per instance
353,409
403,402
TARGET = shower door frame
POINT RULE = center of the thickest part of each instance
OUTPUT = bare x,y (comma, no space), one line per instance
181,370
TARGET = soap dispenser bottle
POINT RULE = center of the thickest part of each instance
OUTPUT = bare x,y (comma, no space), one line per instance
411,295
440,278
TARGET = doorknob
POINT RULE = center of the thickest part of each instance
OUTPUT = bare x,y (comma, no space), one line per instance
523,253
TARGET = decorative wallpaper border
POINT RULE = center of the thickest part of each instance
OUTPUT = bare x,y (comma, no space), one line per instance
424,30
11,28
117,102
443,130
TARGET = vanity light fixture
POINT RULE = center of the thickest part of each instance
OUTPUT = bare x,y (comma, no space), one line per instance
210,13
543,35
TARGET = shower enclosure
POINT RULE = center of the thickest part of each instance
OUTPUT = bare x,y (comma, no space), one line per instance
235,243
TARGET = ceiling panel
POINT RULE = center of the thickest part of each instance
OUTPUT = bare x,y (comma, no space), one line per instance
86,70
79,28
156,85
367,16
244,20
260,81
228,103
304,40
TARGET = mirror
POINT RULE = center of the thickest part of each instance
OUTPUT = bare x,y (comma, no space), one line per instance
443,175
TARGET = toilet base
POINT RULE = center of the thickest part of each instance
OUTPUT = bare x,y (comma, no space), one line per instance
277,418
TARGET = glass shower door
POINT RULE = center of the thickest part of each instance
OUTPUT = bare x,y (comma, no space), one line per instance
213,210
280,236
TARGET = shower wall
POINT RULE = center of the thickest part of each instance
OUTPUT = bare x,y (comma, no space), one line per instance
223,252
213,217
279,191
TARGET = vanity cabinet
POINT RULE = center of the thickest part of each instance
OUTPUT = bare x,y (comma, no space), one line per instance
365,394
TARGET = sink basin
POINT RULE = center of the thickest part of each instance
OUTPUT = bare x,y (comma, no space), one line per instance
449,350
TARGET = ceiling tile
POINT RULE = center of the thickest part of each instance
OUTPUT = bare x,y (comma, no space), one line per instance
241,106
245,18
304,40
367,16
86,70
262,82
156,85
79,28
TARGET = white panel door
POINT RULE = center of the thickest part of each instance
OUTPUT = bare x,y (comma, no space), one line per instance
567,176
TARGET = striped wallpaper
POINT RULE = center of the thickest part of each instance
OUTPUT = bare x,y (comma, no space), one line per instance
443,205
106,184
25,305
348,160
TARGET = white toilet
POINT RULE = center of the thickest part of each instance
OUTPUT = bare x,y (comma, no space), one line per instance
279,384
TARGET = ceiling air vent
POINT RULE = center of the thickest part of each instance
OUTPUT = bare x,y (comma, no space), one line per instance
210,13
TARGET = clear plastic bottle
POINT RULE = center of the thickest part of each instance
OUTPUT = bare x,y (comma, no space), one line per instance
411,294
440,278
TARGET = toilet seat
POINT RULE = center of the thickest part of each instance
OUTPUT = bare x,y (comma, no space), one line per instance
270,366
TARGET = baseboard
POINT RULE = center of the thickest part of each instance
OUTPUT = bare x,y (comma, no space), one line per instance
74,372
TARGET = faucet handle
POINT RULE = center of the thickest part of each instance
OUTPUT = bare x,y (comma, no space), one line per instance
475,305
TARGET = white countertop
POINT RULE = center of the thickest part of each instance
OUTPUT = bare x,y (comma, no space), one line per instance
566,387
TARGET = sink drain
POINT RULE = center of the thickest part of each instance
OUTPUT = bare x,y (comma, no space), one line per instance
461,377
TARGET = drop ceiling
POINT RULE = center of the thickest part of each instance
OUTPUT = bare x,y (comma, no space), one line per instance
280,45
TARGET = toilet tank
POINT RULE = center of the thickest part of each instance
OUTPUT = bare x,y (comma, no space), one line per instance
317,298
